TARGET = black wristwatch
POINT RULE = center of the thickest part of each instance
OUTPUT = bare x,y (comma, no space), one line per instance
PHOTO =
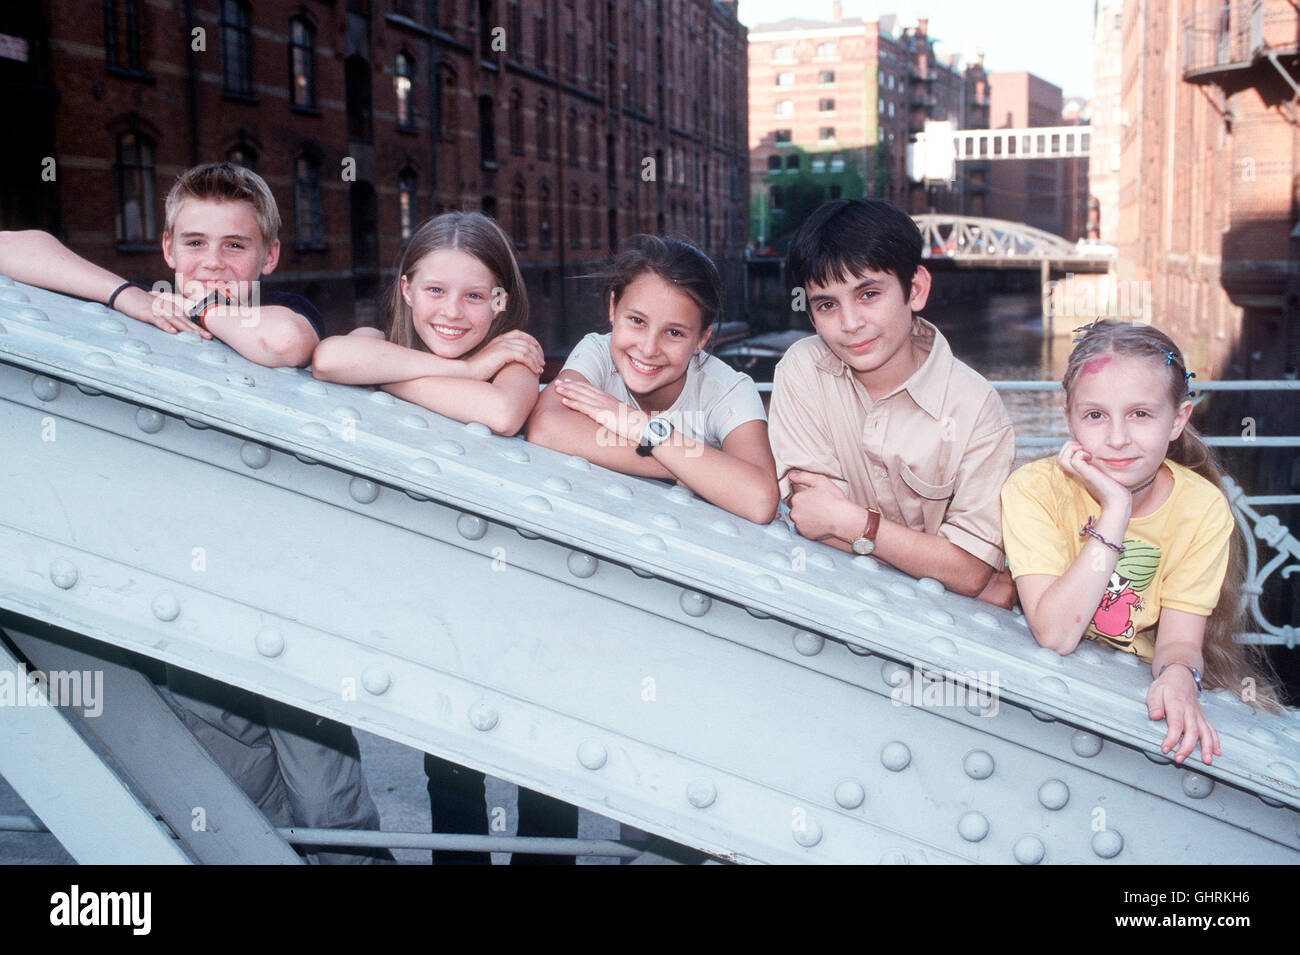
211,300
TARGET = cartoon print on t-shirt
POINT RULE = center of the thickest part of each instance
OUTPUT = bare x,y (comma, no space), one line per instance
1133,574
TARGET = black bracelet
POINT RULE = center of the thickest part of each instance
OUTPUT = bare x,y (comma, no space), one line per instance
118,291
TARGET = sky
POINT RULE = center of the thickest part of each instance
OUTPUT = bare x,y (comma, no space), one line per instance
1049,38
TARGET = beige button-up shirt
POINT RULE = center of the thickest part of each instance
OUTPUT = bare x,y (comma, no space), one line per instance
932,454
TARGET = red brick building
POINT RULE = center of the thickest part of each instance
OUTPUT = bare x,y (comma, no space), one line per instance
577,123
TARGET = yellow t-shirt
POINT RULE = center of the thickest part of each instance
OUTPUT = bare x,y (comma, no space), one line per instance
1176,556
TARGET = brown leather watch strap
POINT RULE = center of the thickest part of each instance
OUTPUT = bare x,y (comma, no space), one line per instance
873,524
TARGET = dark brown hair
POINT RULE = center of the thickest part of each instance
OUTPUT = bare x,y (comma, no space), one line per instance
477,235
676,262
1228,664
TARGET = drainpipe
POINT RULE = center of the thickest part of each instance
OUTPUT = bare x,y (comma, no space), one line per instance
192,66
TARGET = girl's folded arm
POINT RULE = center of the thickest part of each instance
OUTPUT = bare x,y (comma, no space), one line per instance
554,426
1059,609
362,360
502,403
740,478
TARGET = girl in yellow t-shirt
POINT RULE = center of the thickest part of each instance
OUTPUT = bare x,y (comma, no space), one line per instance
1126,537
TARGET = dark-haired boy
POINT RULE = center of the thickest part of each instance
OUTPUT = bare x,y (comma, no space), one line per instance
885,443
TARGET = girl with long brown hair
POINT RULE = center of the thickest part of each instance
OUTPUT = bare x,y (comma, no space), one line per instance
1126,537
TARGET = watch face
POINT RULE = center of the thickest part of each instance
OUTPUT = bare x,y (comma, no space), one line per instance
863,546
659,427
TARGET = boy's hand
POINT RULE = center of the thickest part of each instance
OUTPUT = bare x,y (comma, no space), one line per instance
818,508
502,350
165,310
1172,697
1107,492
602,408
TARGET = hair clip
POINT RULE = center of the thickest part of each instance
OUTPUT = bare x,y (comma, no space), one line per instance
1085,329
1188,376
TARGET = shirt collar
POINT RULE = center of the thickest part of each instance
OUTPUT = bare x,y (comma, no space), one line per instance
928,385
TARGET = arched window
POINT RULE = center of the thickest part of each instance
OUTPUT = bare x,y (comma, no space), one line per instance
572,123
543,130
136,221
302,64
593,150
487,130
237,48
516,122
407,201
594,213
544,213
575,219
403,70
356,83
448,114
518,215
308,216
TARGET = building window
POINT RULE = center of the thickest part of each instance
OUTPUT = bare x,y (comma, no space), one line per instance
406,204
575,221
516,24
818,164
773,163
403,71
486,21
518,216
236,48
122,23
243,155
826,134
544,217
890,78
543,130
135,189
487,131
785,107
445,96
774,198
594,212
540,34
837,191
302,64
516,122
826,106
573,137
826,78
356,82
785,79
783,53
837,162
783,137
306,202
792,163
891,108
825,51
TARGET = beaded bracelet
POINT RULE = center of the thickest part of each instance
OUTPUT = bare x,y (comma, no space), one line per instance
1089,531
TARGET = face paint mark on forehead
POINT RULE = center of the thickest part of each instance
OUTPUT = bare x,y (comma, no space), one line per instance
1095,365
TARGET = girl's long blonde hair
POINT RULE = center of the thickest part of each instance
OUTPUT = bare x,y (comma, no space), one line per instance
1228,664
477,235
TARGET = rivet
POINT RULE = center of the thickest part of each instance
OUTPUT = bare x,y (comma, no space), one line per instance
808,834
1196,785
1086,652
166,607
986,620
857,650
582,565
978,764
725,527
757,614
13,295
808,644
1048,657
471,527
1283,771
849,794
695,604
1107,843
1269,801
290,372
516,454
776,560
821,561
868,619
767,582
652,542
206,393
1028,850
1157,758
874,594
111,325
667,522
363,491
930,586
211,357
483,716
63,574
535,502
30,314
557,483
195,423
1053,794
895,857
975,708
620,491
592,754
413,421
973,826
778,530
314,429
382,398
1085,744
643,573
376,679
313,387
942,645
450,448
1041,716
1261,735
903,589
346,413
269,642
679,495
425,466
700,793
94,308
894,673
1054,684
306,459
47,389
941,617
87,390
575,462
478,428
895,756
136,347
528,535
255,456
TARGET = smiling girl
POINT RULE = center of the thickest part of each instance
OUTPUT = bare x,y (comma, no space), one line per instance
1125,537
646,399
453,343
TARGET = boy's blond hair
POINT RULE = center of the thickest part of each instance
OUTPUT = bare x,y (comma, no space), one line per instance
226,182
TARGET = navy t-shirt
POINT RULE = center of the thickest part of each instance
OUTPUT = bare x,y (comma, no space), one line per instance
295,303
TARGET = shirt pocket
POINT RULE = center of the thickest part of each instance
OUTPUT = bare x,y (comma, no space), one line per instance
926,506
